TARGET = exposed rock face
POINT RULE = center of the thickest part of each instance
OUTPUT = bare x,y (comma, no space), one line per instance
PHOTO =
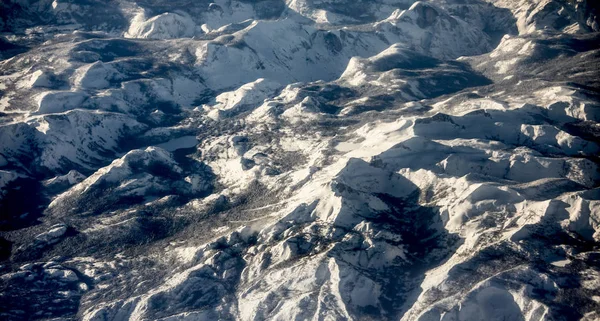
300,160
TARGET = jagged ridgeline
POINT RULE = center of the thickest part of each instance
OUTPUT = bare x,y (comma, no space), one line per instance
300,160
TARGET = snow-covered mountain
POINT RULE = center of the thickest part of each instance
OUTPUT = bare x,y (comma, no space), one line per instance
300,160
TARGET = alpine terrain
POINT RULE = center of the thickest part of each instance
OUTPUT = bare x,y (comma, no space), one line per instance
188,160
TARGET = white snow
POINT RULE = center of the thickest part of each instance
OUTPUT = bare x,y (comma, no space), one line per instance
164,26
434,203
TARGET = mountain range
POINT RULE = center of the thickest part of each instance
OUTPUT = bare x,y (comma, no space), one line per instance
300,160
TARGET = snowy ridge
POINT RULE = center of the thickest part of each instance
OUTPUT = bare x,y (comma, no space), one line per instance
165,26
